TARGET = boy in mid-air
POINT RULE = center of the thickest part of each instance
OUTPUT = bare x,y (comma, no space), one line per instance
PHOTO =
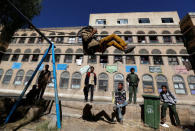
91,45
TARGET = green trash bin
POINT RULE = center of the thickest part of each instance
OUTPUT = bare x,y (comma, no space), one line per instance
152,111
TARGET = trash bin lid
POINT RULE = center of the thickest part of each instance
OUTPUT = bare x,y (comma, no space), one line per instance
151,96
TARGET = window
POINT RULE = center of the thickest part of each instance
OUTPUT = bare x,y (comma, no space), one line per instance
144,58
179,39
118,78
92,59
40,40
52,36
71,39
14,40
153,37
6,56
167,20
28,76
104,59
1,73
16,55
79,56
167,37
130,59
22,39
18,78
47,58
141,37
122,21
35,56
68,56
76,81
157,59
161,80
57,55
185,59
144,20
148,84
127,37
64,79
118,57
100,22
32,38
7,77
60,39
103,82
191,83
172,60
26,55
80,39
179,85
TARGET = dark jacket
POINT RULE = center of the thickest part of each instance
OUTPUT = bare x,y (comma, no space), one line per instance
133,79
87,78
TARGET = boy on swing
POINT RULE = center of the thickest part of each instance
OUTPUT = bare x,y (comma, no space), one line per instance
91,45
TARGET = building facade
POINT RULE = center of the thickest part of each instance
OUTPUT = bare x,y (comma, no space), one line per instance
187,25
159,57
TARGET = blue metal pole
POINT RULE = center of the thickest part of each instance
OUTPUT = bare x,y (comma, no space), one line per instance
55,89
27,85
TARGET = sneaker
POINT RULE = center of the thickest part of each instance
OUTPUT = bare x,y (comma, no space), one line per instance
164,125
129,49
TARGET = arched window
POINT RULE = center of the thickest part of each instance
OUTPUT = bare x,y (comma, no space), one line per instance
23,38
183,51
76,80
157,58
32,38
104,57
35,56
72,37
153,37
130,59
16,55
144,58
79,56
104,33
18,78
68,56
166,37
103,82
179,85
47,58
148,86
117,32
60,38
51,84
26,55
28,76
118,78
57,55
178,37
64,79
172,60
141,38
161,80
7,76
191,83
6,56
118,56
1,73
128,38
14,38
52,36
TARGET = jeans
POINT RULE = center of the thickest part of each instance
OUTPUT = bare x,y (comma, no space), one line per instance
112,40
119,106
173,112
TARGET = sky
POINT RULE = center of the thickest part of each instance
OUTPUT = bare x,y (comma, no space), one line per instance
68,13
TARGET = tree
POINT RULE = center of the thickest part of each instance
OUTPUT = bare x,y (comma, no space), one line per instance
11,21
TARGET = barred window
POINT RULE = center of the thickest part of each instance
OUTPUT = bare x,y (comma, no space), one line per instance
19,78
68,56
191,83
179,85
28,76
148,86
161,80
64,79
7,76
76,80
103,82
118,78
